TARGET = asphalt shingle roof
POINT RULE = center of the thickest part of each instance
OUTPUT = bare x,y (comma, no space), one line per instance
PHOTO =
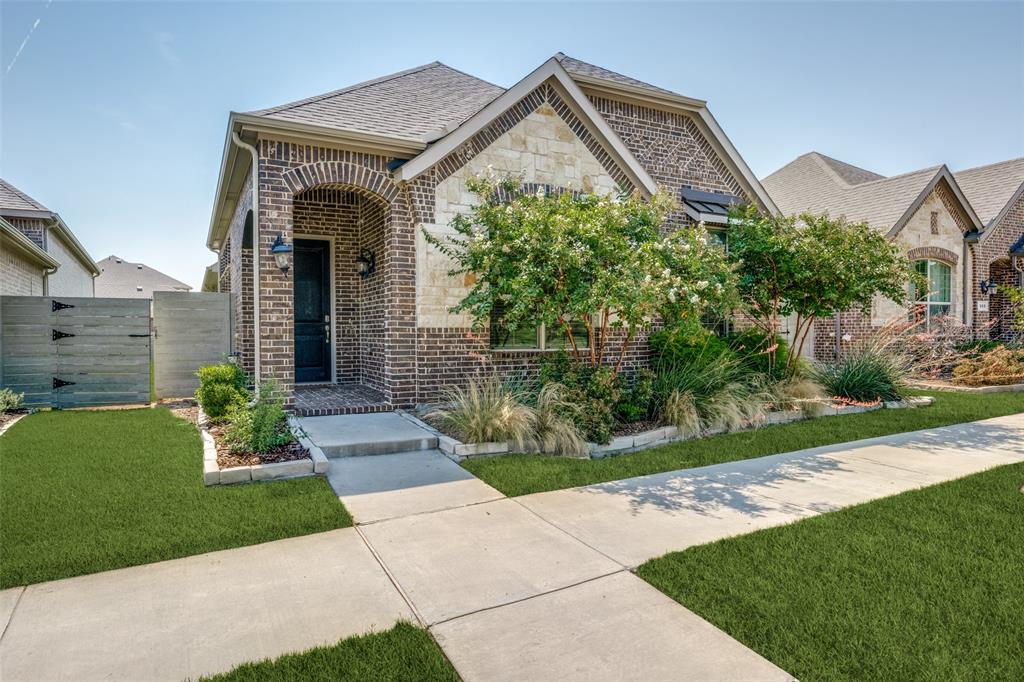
810,183
411,105
575,66
13,199
989,188
120,279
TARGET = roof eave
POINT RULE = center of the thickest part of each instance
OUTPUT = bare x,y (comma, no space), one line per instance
26,246
250,125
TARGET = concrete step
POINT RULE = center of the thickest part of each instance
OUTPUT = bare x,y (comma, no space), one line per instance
366,434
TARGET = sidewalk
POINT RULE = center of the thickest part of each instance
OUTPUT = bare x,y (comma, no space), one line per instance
527,588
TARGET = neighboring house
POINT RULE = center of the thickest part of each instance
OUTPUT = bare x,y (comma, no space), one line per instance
351,178
211,278
996,192
75,270
23,264
119,278
925,211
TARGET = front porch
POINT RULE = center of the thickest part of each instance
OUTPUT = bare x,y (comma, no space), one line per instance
334,399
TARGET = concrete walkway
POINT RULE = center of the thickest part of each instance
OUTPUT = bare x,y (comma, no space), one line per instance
536,587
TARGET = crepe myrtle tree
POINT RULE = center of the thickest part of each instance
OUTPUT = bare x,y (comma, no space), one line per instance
811,266
566,257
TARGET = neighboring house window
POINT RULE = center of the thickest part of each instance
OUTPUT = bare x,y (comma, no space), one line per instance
535,337
937,301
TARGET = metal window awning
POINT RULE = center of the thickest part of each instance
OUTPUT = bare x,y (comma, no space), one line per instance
709,207
1018,248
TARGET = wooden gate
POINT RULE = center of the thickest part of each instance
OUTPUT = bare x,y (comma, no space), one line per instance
75,352
189,330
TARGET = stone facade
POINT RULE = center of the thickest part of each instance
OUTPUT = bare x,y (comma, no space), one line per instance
934,232
393,332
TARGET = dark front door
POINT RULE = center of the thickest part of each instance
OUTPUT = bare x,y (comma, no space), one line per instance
312,310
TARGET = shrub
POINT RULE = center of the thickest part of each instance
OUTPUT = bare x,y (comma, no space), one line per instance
866,374
635,403
999,366
723,394
9,400
798,393
261,427
555,428
594,390
221,387
758,354
687,345
487,411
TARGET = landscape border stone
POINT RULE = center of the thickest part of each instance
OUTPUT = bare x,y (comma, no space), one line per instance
663,435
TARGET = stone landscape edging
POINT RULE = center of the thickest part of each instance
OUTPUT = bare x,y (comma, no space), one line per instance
314,465
958,388
14,420
663,435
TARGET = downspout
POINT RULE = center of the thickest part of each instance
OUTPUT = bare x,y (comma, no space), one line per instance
967,277
255,174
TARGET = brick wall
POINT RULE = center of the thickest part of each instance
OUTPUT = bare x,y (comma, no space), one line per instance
990,261
18,276
33,228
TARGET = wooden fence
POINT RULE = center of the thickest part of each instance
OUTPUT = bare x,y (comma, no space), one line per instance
78,352
189,330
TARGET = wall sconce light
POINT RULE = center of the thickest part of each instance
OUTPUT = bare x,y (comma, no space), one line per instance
281,253
987,286
366,263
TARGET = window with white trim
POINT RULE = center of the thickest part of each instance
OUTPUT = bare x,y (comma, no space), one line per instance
535,337
937,300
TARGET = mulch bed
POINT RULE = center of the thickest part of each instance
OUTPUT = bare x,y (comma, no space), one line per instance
10,416
189,411
634,428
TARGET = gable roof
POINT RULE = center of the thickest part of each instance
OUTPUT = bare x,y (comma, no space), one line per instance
13,201
119,278
418,104
549,70
816,183
583,69
991,188
15,240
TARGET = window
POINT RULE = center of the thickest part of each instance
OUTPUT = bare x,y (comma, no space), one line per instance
935,222
535,337
937,301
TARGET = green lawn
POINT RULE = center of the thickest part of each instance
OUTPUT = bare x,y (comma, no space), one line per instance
82,492
927,585
403,653
524,474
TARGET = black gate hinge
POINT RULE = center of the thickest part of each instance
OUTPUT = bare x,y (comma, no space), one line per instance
57,305
57,334
57,383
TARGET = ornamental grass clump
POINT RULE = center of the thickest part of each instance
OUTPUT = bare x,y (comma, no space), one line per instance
555,428
867,374
487,411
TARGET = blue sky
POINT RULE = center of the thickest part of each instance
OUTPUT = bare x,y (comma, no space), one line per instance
113,113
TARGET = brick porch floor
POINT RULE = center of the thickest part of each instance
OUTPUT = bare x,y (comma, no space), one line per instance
331,399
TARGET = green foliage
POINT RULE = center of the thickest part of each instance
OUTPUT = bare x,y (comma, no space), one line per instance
599,260
865,375
811,266
555,427
595,390
758,353
1016,297
719,391
260,427
221,387
636,401
1000,366
9,400
977,347
684,345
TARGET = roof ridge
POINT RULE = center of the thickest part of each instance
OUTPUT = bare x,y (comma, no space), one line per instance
351,88
990,165
819,159
935,169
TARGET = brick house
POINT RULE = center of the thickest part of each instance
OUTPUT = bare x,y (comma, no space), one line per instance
360,320
21,274
996,192
945,222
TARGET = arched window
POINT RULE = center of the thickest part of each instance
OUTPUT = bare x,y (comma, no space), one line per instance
937,300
